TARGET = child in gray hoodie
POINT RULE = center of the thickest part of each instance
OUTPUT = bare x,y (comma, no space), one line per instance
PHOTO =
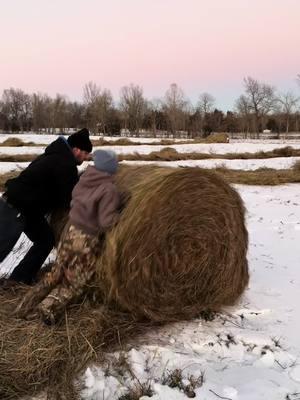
94,210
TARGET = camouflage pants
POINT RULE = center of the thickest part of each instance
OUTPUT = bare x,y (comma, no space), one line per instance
73,270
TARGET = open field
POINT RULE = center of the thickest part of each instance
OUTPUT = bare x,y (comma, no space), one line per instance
166,154
248,352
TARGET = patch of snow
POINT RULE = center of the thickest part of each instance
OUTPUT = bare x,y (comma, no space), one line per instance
6,150
12,166
245,165
295,373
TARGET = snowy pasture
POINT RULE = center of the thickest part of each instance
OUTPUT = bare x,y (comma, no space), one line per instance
250,351
246,165
46,139
250,146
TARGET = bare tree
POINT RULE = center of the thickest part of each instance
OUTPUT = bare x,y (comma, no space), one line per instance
133,106
90,92
154,108
3,118
288,102
104,106
206,103
76,114
174,105
98,103
16,107
243,108
59,112
297,120
195,123
205,106
261,99
41,111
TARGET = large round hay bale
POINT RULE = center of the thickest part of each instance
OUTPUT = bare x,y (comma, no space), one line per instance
180,246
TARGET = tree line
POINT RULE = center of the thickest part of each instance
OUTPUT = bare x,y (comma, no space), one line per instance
260,107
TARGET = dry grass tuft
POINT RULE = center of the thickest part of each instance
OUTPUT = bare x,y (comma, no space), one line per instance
287,151
128,142
5,177
12,142
167,142
296,167
214,138
36,357
166,154
138,391
118,142
123,142
17,157
261,176
16,142
218,138
187,385
170,154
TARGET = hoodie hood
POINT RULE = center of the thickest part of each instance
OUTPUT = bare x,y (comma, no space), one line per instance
92,177
60,146
95,201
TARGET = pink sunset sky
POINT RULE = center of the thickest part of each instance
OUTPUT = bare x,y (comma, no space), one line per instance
57,46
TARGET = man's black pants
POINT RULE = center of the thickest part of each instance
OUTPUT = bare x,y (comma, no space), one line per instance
36,228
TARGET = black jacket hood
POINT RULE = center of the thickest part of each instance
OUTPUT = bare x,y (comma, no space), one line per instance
60,146
47,183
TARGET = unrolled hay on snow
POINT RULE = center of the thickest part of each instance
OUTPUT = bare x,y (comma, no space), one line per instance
180,246
37,358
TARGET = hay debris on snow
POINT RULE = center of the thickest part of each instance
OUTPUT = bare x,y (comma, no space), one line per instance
36,358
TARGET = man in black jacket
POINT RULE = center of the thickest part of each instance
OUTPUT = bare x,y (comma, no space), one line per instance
44,186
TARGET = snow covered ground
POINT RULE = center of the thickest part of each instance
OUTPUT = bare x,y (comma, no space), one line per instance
208,148
215,148
246,165
33,137
251,351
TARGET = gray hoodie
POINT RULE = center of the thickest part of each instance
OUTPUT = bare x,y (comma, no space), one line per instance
95,201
